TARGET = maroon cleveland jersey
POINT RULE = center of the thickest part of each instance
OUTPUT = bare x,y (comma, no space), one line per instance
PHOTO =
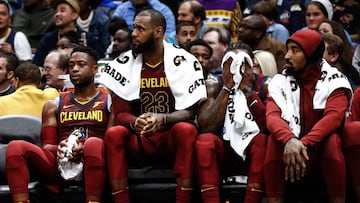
90,117
155,93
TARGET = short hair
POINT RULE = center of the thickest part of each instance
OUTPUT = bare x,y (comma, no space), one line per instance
156,17
197,9
12,60
116,24
266,9
334,43
28,73
338,30
224,35
243,46
94,3
199,42
182,24
72,35
91,52
63,60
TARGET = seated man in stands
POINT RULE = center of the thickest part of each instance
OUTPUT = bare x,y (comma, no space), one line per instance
8,63
56,63
232,122
85,109
28,99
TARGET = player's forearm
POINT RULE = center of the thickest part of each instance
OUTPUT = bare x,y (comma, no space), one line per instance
125,119
332,120
212,114
257,108
180,116
276,125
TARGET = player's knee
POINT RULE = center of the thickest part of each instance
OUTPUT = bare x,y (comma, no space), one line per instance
205,151
94,147
260,141
16,147
116,134
332,148
184,132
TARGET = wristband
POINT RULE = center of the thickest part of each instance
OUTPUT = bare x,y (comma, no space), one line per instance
227,89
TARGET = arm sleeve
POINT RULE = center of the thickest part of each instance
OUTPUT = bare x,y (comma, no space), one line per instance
49,138
22,47
276,125
122,112
332,120
257,108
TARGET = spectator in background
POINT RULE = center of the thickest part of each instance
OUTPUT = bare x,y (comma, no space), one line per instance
68,38
269,14
264,63
316,12
193,11
219,40
223,13
349,17
8,63
252,31
185,33
67,11
35,12
120,38
94,22
291,12
203,52
28,99
12,40
130,8
333,27
333,54
56,63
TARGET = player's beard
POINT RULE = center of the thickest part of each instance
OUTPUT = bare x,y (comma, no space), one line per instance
148,45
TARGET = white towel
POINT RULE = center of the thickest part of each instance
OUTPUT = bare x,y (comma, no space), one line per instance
239,125
182,69
286,93
237,66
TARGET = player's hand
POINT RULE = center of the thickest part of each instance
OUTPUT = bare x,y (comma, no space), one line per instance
154,122
295,157
77,152
60,149
6,47
140,123
227,76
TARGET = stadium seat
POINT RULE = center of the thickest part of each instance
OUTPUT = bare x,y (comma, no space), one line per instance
16,127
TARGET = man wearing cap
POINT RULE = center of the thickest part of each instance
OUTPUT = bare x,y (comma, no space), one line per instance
66,13
304,115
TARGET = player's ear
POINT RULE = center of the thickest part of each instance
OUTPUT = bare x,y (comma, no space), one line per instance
95,69
159,32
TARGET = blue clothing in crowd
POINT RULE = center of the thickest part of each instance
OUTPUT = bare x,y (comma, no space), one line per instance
278,31
49,42
127,10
